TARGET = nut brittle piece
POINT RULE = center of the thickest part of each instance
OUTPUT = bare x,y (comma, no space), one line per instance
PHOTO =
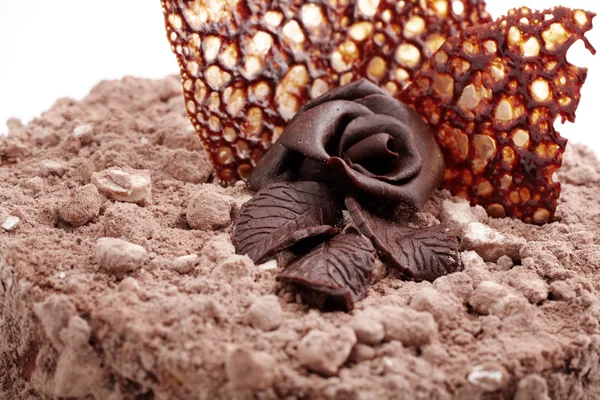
247,67
493,94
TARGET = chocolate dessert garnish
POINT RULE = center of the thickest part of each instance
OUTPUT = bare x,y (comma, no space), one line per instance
422,254
335,274
492,95
282,215
247,67
360,140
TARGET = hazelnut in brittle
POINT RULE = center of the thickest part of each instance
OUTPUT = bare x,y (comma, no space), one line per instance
248,67
492,94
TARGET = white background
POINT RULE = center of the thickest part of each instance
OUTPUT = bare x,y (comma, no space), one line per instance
53,49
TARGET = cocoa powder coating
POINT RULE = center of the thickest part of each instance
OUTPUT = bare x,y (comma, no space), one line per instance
171,312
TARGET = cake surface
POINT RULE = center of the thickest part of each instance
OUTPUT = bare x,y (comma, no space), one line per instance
161,307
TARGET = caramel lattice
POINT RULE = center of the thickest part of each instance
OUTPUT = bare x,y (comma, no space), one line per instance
493,94
247,66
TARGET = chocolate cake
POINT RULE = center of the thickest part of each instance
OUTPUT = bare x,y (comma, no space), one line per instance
119,280
364,202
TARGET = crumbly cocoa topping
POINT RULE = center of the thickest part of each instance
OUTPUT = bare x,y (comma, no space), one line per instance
106,296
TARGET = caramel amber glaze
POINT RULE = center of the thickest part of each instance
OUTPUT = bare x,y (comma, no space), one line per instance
492,94
246,69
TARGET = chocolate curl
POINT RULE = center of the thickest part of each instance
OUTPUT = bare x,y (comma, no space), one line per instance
492,94
247,67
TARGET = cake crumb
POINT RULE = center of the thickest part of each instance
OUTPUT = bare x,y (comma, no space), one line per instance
35,184
52,168
79,368
489,377
362,352
189,166
505,263
54,313
265,313
84,133
247,369
486,296
217,249
324,352
489,243
458,284
119,256
10,223
208,210
185,264
532,387
412,328
445,310
233,268
82,206
367,328
457,215
124,184
529,284
129,221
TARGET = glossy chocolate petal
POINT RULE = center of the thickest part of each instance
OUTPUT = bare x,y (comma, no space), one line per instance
283,214
423,254
375,148
313,147
314,133
337,272
278,164
409,160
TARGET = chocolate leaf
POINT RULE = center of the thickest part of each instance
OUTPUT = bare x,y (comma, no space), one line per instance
283,214
423,254
337,272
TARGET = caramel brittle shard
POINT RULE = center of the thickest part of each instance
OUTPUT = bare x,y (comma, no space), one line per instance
493,94
247,67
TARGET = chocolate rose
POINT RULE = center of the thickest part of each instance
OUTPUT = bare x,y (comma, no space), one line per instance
360,140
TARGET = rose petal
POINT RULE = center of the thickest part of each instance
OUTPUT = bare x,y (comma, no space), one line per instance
279,164
338,271
409,160
283,214
380,147
418,253
321,132
310,134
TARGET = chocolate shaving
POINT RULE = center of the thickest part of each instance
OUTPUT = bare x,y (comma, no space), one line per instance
336,274
282,215
422,254
247,67
493,94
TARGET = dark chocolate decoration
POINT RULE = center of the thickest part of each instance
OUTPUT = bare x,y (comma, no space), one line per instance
360,140
283,214
336,273
247,66
422,254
